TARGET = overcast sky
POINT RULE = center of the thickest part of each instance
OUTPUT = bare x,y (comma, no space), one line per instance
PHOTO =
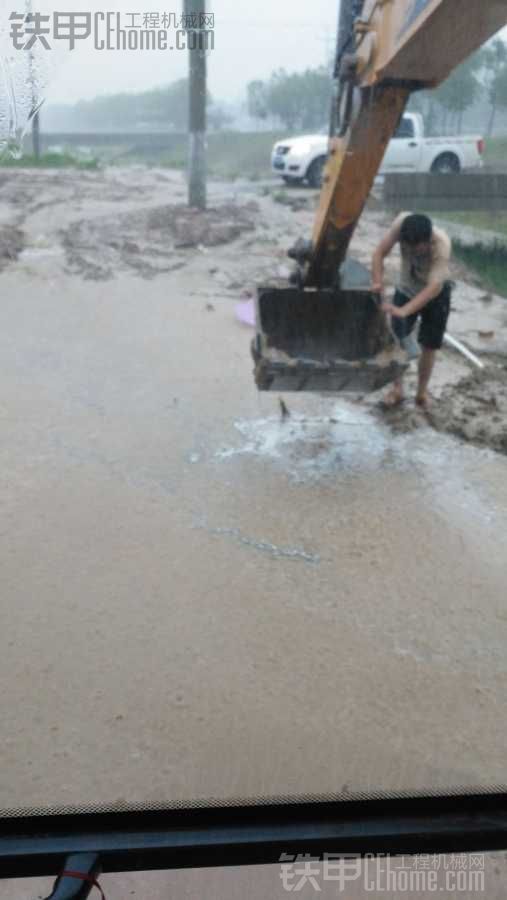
251,39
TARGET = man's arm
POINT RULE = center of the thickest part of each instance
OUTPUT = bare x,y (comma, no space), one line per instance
417,303
383,250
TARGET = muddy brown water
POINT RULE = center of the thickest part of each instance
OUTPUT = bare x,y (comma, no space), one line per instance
201,599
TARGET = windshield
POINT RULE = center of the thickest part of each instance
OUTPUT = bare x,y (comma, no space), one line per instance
251,548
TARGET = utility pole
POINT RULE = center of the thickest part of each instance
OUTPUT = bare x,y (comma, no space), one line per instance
36,135
31,78
197,105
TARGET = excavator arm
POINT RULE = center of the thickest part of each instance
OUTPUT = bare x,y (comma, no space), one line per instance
389,49
327,332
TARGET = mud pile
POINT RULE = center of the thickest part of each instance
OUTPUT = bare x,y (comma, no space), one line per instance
475,409
12,241
151,241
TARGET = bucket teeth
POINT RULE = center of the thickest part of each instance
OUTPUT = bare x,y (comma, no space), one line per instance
323,341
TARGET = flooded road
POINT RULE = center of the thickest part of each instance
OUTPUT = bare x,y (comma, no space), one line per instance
201,599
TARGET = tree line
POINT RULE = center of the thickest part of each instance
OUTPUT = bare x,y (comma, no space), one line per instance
301,100
161,108
483,77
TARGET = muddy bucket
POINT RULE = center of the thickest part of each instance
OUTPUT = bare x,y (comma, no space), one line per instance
323,340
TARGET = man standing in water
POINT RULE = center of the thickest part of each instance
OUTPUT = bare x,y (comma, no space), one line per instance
423,291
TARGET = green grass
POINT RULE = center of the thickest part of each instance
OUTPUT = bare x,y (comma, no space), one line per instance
488,261
486,221
495,153
172,162
230,154
248,154
47,161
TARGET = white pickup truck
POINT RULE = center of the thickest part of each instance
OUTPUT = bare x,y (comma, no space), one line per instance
300,158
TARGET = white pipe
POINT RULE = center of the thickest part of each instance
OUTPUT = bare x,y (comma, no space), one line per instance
457,345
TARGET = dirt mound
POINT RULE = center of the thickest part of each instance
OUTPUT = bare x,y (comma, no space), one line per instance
475,409
151,241
12,241
191,227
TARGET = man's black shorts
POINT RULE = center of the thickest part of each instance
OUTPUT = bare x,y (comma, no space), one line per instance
434,318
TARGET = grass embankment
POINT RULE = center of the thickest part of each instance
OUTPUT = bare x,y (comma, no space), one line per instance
47,161
242,154
231,154
234,154
488,261
495,153
482,221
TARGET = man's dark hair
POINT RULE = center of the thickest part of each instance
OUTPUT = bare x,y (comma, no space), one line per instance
416,229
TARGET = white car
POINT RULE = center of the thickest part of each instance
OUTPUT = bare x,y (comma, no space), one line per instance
303,158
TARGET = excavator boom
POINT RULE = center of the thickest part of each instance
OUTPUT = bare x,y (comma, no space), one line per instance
397,47
308,336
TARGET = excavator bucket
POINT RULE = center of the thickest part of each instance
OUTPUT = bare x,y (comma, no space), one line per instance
323,340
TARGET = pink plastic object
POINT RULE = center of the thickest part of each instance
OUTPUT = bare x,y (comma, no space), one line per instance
245,313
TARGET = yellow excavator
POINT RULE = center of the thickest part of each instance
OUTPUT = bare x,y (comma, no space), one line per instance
325,331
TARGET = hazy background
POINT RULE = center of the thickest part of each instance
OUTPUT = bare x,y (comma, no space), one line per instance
251,42
251,39
269,72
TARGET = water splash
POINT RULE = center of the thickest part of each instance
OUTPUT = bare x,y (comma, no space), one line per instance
311,448
351,442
